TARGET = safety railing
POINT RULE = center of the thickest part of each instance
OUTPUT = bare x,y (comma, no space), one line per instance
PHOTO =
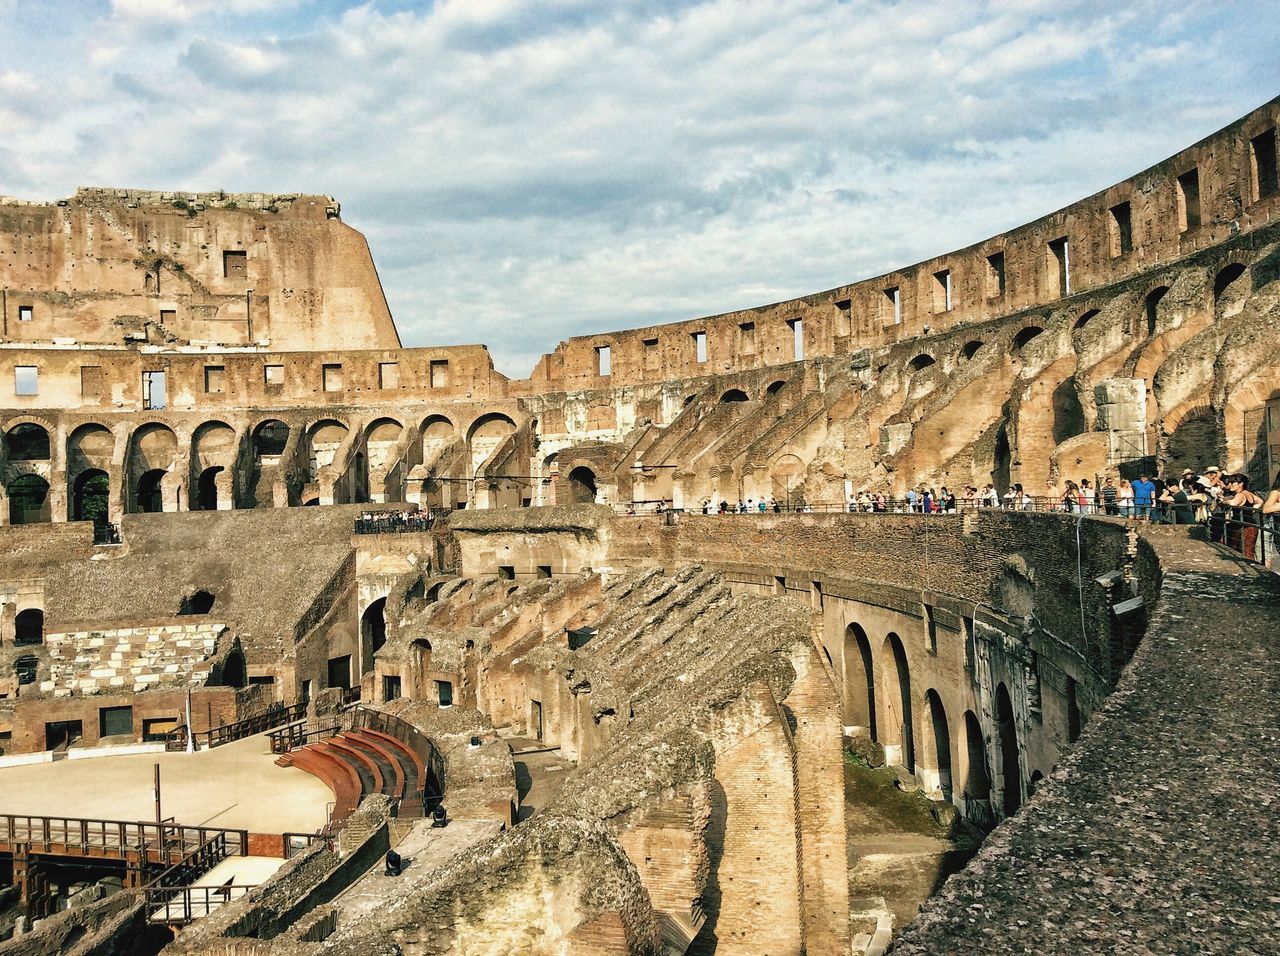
79,836
180,905
176,739
1254,535
295,843
296,735
411,737
106,533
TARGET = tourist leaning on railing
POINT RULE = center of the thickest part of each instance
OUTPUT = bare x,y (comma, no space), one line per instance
1271,516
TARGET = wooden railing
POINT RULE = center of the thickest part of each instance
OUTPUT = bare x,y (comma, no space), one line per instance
176,739
296,735
179,905
165,843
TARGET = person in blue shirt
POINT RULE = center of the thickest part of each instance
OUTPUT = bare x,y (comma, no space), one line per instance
1144,492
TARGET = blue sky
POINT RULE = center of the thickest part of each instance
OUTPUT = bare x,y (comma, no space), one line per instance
527,171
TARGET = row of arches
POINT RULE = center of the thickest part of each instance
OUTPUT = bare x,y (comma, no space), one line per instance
880,696
154,453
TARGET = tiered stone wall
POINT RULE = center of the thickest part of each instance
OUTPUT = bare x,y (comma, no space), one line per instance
130,658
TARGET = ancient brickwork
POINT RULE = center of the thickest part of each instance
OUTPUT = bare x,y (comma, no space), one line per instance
130,658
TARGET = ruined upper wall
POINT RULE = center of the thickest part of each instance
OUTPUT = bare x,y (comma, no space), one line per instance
1221,186
119,266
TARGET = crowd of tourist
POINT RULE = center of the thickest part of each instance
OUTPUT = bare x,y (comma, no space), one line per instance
393,522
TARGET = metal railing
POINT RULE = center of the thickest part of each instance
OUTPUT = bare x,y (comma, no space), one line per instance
106,533
1254,535
180,905
176,739
296,735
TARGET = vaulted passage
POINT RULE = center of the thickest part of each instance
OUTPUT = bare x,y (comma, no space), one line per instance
582,485
897,701
859,681
28,500
1010,765
90,496
373,632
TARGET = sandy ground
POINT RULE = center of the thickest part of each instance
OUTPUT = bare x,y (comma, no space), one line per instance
237,786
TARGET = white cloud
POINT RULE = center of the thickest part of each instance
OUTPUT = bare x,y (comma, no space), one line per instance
529,171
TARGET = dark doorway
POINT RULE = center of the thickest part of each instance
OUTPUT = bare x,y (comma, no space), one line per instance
1010,770
859,680
373,632
340,671
582,485
207,489
28,627
898,705
535,719
977,783
233,672
28,500
150,496
941,741
199,603
62,733
90,496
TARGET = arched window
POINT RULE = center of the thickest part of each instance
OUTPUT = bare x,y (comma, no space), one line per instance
27,442
1026,335
90,496
775,387
270,439
970,349
207,489
1151,308
150,493
734,395
582,485
1085,319
921,361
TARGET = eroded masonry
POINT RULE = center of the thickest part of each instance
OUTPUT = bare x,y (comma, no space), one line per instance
513,685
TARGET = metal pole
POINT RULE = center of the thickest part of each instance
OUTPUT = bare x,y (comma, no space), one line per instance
158,816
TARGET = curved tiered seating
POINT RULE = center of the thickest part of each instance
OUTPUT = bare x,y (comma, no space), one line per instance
357,763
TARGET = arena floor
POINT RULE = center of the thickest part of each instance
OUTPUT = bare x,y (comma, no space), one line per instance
236,786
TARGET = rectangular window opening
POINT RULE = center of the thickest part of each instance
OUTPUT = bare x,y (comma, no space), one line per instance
893,296
154,390
26,380
604,360
439,373
331,377
544,570
273,375
507,572
235,264
747,338
168,316
388,375
115,721
797,338
1266,176
215,379
942,291
91,382
1060,264
444,693
1121,229
995,275
1189,200
700,346
26,313
390,687
844,317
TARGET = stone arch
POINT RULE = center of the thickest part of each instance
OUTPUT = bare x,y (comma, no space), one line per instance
27,441
977,782
1194,440
940,742
214,441
1151,308
28,627
324,438
437,431
90,445
1226,299
1010,765
970,349
1085,318
1002,459
1025,335
485,435
734,395
153,453
582,486
28,500
786,478
91,496
373,632
270,436
1068,413
775,387
897,728
234,672
859,680
921,362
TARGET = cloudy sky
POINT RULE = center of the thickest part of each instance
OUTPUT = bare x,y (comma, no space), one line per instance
526,171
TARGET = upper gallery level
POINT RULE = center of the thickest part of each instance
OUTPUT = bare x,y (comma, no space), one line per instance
1223,185
132,267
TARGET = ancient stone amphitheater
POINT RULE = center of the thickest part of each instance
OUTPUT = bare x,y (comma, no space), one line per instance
512,646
